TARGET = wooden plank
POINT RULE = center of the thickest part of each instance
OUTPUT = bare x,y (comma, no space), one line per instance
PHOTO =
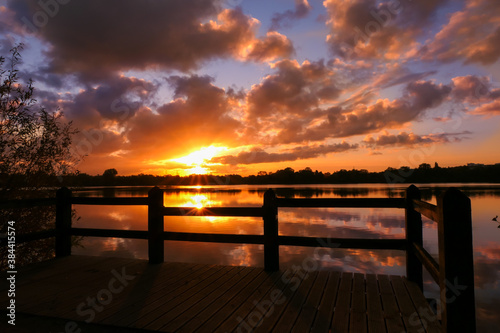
27,271
391,311
376,323
427,209
358,316
189,299
27,203
211,318
156,226
292,311
351,243
157,304
268,295
100,201
427,260
23,238
97,299
414,235
65,291
140,287
55,268
271,244
310,307
213,211
340,322
456,262
214,238
326,307
406,307
287,286
427,317
205,309
343,202
152,281
63,222
160,293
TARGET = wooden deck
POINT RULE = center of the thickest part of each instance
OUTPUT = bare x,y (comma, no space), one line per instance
182,297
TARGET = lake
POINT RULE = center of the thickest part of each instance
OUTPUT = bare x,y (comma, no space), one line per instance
314,222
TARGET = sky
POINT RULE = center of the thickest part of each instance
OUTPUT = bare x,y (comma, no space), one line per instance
242,86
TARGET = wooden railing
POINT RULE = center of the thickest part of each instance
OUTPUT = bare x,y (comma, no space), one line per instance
453,271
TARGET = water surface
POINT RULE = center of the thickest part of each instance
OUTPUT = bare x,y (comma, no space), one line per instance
314,222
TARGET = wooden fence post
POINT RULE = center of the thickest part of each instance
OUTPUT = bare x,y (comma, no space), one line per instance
456,265
155,226
63,222
413,226
271,246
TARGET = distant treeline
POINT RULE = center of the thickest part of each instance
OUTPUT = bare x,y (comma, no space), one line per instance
425,173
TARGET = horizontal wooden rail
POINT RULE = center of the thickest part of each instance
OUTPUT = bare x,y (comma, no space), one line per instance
34,236
342,202
427,260
427,209
138,201
213,211
343,243
116,233
27,203
213,238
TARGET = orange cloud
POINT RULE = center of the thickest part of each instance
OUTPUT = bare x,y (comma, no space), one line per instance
367,29
489,109
472,34
273,46
258,155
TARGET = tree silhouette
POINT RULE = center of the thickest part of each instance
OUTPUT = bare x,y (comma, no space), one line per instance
35,144
35,152
110,173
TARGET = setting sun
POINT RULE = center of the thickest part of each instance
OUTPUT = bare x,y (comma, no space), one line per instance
198,160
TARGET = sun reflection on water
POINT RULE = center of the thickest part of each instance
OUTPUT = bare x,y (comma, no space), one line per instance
199,201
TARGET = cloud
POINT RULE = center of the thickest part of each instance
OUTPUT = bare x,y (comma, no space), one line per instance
293,89
372,30
284,103
358,119
427,94
198,116
298,153
405,78
274,45
302,9
470,88
96,38
472,35
117,98
404,139
478,92
488,109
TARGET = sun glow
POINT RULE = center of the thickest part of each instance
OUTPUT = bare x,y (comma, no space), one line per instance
199,200
198,161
